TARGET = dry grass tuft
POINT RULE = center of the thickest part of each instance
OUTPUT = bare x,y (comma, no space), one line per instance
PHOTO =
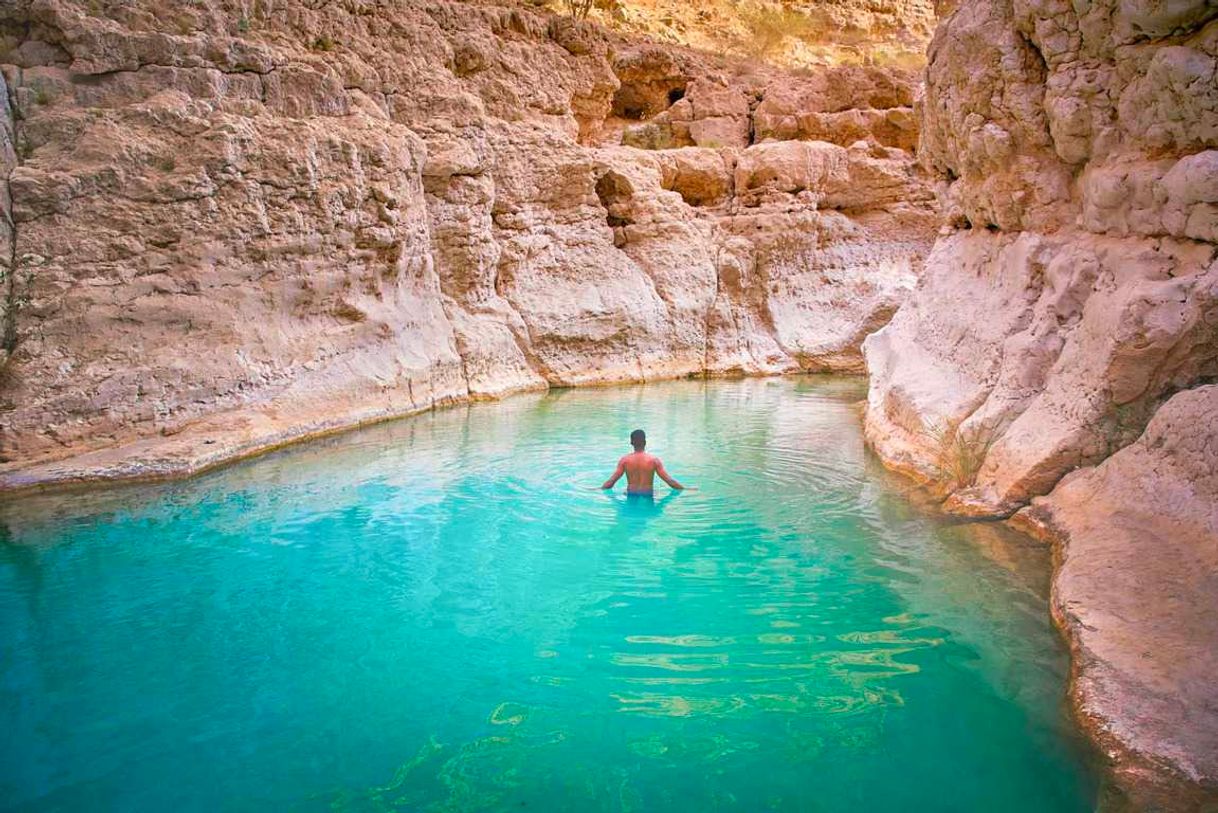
960,453
579,9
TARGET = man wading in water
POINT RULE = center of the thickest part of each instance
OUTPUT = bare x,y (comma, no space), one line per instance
640,469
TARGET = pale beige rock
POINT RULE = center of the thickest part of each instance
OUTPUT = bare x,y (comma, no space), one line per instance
843,106
1074,343
719,131
305,217
791,167
831,176
1138,577
1176,198
984,125
700,177
679,107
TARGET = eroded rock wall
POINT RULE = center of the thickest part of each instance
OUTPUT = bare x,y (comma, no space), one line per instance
236,225
1065,334
682,100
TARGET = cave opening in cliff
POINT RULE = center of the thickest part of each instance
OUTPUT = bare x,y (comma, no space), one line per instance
640,100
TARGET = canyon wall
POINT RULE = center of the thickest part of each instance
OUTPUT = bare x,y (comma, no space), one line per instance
1058,357
228,225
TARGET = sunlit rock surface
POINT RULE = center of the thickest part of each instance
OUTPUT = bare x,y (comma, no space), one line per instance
798,33
233,228
1066,329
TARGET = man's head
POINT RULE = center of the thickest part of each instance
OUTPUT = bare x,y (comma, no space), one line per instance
638,439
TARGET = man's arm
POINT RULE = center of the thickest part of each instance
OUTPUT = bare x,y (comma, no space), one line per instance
617,474
664,476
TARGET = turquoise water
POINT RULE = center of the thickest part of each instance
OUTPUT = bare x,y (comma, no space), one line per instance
437,615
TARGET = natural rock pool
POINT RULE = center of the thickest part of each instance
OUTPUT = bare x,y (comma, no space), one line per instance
436,614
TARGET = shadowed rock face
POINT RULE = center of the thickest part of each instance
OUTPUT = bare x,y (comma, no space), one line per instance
1066,327
252,228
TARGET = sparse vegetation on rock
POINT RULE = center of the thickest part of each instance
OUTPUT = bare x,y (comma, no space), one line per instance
579,9
959,453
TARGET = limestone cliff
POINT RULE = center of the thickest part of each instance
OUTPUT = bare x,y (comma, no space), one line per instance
1060,346
796,33
228,225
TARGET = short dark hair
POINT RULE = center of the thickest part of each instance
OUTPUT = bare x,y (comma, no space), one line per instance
638,438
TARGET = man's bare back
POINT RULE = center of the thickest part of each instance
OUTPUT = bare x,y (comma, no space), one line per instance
640,469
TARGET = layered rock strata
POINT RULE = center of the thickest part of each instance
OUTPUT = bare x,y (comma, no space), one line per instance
1061,347
226,227
681,101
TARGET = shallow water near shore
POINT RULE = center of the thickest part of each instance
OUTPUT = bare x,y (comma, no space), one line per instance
440,614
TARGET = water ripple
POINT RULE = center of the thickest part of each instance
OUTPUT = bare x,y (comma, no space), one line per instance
445,614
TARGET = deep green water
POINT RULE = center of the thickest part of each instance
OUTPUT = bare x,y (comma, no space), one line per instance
435,615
